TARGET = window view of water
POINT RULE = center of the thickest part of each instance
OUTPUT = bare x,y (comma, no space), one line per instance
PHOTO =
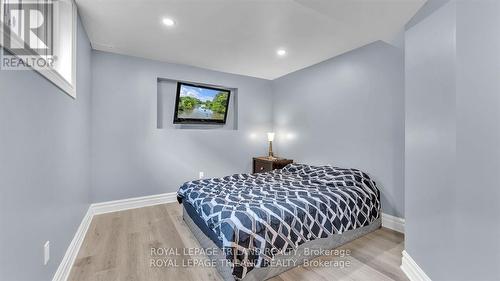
200,112
202,103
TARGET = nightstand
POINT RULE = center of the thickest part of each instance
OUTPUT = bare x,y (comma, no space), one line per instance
264,164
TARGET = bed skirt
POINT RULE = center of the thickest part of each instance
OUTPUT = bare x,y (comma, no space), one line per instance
264,273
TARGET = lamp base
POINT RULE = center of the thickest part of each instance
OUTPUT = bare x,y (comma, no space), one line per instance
270,152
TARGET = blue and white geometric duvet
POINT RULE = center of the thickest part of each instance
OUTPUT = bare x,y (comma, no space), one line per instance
259,215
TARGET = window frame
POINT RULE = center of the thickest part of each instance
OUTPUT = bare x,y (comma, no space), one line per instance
51,74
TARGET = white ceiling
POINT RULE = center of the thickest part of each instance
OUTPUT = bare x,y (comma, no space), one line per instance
242,36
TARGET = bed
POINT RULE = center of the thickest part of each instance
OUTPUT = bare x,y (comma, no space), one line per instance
258,220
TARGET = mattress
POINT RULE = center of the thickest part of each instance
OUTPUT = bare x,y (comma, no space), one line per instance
255,217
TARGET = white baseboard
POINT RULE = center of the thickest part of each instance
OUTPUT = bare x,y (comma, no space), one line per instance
66,264
133,203
412,270
64,268
394,223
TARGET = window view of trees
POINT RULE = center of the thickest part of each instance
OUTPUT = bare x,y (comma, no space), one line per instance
217,105
188,103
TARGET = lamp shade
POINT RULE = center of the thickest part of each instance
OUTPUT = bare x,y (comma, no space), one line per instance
270,136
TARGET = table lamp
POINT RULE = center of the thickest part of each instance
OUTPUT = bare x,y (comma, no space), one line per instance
270,138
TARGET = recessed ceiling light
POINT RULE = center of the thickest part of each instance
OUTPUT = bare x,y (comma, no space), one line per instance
168,22
281,52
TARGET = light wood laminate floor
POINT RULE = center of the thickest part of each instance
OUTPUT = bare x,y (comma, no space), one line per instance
117,247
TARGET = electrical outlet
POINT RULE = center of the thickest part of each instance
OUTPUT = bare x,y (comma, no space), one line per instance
46,253
201,175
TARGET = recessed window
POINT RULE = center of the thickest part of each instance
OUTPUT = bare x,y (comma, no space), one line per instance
40,35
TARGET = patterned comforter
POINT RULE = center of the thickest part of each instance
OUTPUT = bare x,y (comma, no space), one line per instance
259,215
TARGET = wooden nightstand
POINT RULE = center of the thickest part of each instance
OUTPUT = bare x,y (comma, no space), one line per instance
264,164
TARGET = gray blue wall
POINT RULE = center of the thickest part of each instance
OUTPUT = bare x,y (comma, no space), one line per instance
478,139
44,167
131,157
430,158
453,142
347,111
